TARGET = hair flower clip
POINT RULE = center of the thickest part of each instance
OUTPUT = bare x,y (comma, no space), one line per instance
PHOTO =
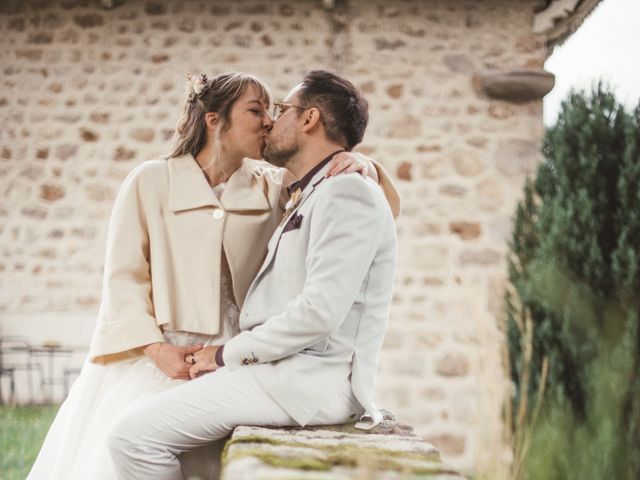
196,84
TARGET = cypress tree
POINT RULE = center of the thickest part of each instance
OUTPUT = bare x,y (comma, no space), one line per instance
575,269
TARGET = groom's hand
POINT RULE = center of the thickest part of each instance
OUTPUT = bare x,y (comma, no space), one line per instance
171,358
205,361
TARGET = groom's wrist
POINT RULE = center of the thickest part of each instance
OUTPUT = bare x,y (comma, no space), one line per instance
218,358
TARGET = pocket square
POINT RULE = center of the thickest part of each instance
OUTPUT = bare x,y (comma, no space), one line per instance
294,223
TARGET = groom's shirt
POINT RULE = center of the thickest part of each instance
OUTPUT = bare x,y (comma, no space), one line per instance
306,179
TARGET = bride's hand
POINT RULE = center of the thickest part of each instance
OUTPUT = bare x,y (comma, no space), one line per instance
204,361
171,358
349,162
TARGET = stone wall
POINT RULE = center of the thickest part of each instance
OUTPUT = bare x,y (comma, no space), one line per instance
89,93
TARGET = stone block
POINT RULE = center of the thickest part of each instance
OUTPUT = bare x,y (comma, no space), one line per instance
42,153
40,38
123,154
452,364
428,340
452,190
99,192
425,228
187,25
65,151
501,112
465,230
32,172
428,258
155,8
88,135
160,58
404,171
405,127
386,44
100,117
428,148
16,24
89,20
367,87
34,211
390,451
490,194
518,157
437,167
485,257
395,90
433,393
467,163
142,134
459,63
449,444
29,54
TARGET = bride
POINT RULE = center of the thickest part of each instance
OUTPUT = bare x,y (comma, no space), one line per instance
187,236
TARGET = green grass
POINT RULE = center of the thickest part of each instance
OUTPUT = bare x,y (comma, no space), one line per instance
22,431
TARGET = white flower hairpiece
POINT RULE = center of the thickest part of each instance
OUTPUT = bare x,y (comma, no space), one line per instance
196,84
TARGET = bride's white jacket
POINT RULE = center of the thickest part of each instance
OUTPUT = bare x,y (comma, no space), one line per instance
163,254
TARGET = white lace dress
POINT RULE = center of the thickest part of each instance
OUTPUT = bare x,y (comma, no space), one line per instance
75,445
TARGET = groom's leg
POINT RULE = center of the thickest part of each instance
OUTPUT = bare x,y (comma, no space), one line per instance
147,438
202,463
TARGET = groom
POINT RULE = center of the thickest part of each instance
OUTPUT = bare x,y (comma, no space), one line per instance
314,318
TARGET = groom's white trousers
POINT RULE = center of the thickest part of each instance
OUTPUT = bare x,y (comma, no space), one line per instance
147,437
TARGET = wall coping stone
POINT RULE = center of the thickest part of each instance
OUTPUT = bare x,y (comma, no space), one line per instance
332,452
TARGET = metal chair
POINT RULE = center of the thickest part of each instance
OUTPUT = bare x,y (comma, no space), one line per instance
67,374
15,355
11,373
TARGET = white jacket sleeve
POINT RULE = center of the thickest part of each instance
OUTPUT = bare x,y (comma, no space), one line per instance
126,317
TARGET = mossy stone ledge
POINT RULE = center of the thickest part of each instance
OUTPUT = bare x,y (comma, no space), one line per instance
334,452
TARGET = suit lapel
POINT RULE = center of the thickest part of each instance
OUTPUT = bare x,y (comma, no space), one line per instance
277,235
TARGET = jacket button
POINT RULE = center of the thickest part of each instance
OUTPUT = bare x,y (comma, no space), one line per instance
218,214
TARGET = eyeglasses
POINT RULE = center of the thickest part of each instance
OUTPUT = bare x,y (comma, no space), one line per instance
280,108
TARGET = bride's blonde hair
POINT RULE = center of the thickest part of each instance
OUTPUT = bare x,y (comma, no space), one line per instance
216,95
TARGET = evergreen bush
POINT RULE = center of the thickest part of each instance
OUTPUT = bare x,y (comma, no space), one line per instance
575,270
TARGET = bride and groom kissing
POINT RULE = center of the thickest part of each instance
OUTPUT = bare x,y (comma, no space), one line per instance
300,327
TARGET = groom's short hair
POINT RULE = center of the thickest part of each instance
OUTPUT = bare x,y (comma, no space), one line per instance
344,112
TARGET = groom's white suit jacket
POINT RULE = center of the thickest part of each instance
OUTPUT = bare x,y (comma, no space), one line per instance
319,307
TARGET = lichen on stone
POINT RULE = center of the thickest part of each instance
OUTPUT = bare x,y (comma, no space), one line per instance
307,456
